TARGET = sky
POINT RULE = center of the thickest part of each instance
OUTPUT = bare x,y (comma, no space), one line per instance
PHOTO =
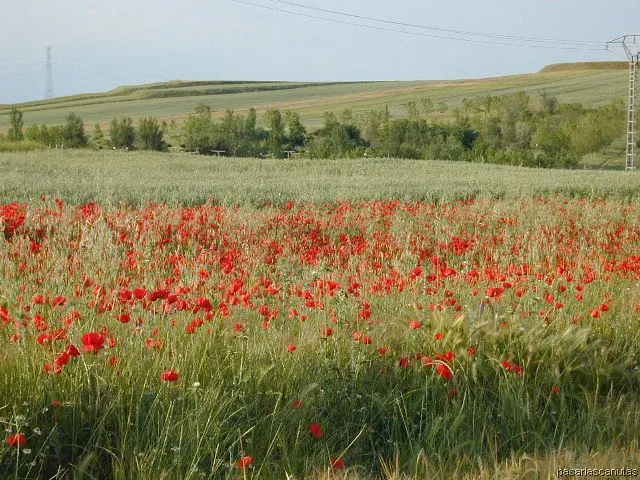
97,46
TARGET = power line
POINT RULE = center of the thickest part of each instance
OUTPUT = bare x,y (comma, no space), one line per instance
13,59
518,43
102,67
96,73
440,29
21,73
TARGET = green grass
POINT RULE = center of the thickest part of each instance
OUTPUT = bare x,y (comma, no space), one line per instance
590,87
237,386
111,177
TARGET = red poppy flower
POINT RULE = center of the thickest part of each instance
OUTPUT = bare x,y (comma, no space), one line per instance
444,371
139,293
244,462
555,390
316,430
123,318
291,348
511,367
169,376
471,351
92,342
416,272
297,404
438,336
494,292
337,463
238,327
414,324
58,301
16,440
62,359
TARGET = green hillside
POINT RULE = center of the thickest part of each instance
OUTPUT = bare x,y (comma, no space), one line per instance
591,84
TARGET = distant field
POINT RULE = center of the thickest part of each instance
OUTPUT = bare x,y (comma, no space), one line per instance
111,177
590,84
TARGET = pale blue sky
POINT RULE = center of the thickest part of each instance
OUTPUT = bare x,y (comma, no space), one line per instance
98,45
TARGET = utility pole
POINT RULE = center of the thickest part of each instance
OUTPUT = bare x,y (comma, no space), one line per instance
631,46
48,93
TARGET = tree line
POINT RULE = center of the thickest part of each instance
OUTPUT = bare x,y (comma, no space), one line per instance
509,129
148,134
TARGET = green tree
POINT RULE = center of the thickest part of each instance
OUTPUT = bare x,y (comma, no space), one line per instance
50,136
250,123
336,139
97,141
197,132
73,132
276,131
232,128
15,119
370,123
549,102
297,134
35,134
509,131
150,136
122,134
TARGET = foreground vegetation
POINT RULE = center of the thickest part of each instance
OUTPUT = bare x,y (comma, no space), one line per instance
110,177
342,340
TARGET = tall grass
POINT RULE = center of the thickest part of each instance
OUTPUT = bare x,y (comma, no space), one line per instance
386,414
110,177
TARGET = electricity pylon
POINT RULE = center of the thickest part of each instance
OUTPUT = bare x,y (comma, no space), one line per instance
48,92
631,46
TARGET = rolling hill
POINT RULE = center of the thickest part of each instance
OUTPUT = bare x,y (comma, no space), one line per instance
587,83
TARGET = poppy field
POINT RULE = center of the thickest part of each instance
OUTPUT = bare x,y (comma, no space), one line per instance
347,339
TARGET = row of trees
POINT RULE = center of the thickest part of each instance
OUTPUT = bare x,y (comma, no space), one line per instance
509,129
547,133
240,136
147,135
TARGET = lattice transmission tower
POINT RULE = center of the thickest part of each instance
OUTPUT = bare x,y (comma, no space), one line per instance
631,46
48,92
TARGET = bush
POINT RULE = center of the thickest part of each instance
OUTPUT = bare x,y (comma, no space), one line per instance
121,133
19,146
73,132
150,135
